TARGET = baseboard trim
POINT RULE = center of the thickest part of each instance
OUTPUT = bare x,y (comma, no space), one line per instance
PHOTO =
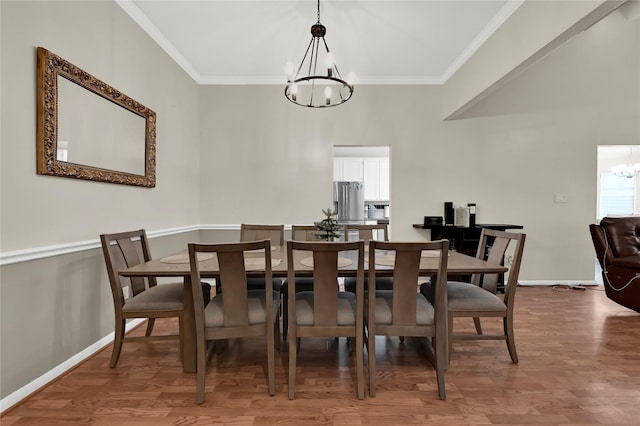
556,282
28,389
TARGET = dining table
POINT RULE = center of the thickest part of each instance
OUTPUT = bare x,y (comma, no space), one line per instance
177,266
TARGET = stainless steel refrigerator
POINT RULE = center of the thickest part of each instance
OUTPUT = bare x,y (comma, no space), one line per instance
348,200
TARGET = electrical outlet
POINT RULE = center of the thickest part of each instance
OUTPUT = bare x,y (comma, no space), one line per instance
125,292
560,198
508,260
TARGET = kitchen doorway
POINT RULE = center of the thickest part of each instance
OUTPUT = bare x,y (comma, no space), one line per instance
371,166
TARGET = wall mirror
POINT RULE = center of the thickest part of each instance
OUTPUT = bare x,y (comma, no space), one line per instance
86,129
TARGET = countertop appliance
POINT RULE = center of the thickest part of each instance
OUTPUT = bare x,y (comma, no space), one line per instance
348,199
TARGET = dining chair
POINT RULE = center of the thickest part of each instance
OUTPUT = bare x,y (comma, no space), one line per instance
298,233
325,311
304,233
252,232
367,233
239,311
275,233
138,297
479,299
403,311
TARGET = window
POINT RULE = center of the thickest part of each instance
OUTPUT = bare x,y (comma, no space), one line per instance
617,195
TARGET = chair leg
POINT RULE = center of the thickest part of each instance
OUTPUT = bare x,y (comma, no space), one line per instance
293,349
511,345
476,322
271,342
150,323
117,341
201,365
285,316
441,363
359,354
449,341
371,353
181,338
278,340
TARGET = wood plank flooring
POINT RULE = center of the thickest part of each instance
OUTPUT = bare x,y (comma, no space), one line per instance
579,365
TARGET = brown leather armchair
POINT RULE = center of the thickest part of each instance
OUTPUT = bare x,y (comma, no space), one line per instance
617,244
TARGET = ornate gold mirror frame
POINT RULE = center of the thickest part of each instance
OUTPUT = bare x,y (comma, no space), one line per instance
56,160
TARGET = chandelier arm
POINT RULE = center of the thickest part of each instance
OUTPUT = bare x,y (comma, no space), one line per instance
304,58
313,57
314,62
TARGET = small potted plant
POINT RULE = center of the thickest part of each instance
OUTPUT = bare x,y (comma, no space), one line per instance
328,226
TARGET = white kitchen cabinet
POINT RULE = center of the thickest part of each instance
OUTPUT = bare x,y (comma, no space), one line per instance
384,179
371,178
337,169
352,169
348,169
373,171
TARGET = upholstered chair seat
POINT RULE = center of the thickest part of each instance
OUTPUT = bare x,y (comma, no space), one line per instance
384,309
256,304
346,308
163,297
469,297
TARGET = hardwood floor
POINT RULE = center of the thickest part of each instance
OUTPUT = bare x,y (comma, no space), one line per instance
579,365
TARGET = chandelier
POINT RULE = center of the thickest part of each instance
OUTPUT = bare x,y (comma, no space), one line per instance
317,83
628,170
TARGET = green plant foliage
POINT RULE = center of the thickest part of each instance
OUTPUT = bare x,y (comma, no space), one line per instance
329,226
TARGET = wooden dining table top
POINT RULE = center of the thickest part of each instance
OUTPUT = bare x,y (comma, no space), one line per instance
177,265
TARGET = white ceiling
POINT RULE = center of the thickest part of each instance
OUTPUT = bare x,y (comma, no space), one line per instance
383,42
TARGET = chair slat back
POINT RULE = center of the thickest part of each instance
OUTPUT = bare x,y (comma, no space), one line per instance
304,232
405,281
325,283
514,269
367,232
234,275
131,258
492,247
123,250
275,233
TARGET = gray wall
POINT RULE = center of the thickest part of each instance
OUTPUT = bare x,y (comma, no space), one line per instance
260,159
536,137
51,309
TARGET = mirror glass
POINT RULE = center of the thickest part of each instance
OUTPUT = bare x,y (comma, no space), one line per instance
89,130
85,135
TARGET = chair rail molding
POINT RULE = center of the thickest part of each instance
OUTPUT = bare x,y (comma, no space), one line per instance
35,253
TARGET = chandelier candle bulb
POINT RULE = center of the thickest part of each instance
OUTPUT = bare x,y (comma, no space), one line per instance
327,94
330,62
290,70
